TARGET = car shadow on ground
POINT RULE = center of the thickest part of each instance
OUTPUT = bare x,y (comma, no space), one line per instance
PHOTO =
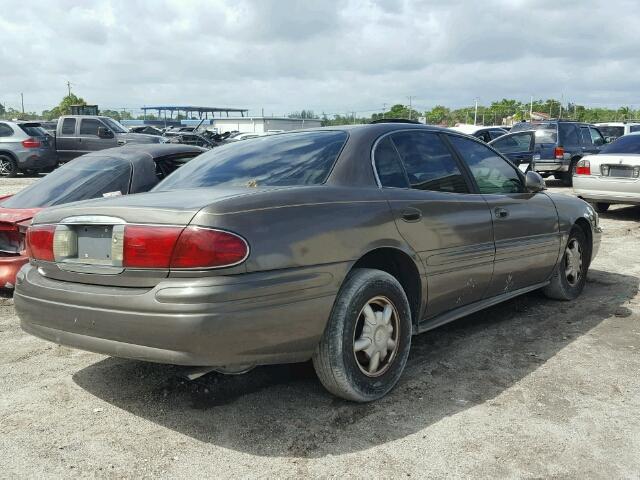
622,213
284,411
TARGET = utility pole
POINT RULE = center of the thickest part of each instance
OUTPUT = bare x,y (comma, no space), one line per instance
22,101
475,115
384,110
69,87
531,109
410,107
561,102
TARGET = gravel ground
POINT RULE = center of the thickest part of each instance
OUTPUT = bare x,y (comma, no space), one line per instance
531,388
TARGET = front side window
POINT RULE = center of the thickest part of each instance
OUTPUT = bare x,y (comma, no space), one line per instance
89,126
515,143
492,173
429,163
596,137
5,130
80,179
69,126
300,158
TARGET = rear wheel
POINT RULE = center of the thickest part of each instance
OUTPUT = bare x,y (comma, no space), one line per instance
601,207
567,177
8,166
570,275
366,342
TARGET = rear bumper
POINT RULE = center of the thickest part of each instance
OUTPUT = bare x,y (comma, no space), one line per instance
248,319
541,166
39,159
607,190
9,267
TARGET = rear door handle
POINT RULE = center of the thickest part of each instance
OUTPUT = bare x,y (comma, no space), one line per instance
501,212
411,215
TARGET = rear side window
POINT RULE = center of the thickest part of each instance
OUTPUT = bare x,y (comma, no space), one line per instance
492,173
89,126
586,136
429,163
33,131
633,128
69,126
388,167
568,134
5,130
495,134
300,158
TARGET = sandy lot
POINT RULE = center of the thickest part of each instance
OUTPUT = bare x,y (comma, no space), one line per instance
531,388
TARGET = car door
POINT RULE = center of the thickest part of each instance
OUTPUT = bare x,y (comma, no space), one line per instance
68,142
596,138
525,225
89,139
448,226
517,147
587,141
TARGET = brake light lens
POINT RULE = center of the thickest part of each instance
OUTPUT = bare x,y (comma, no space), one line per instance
559,153
177,247
206,248
39,242
583,167
149,247
31,143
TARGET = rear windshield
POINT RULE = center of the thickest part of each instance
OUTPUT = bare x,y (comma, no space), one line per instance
80,179
302,158
545,132
34,131
624,144
611,131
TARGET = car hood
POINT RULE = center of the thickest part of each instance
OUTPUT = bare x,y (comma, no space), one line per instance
138,138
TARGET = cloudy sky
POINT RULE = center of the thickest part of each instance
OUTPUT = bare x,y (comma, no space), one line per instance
328,56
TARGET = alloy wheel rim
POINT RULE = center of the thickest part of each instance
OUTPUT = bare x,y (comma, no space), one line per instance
376,336
573,262
5,166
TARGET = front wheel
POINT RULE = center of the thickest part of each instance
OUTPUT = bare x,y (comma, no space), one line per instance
366,342
570,274
8,167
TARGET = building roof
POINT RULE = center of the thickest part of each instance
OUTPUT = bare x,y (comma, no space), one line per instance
193,108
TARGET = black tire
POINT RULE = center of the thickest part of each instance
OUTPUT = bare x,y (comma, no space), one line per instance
8,167
601,207
567,177
563,286
339,368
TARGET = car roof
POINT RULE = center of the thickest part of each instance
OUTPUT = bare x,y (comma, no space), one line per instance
136,153
465,128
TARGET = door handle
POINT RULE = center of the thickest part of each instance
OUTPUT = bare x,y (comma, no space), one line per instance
501,212
411,215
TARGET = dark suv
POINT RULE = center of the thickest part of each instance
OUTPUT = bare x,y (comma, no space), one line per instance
559,144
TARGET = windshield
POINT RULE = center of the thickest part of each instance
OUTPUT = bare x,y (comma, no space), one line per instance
302,158
80,179
113,125
629,144
611,131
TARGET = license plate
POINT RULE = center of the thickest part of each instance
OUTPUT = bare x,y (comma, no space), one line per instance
94,243
621,172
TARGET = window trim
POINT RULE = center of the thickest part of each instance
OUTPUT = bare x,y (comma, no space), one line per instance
75,122
476,187
82,120
471,186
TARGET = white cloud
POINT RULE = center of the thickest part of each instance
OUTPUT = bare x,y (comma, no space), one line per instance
333,56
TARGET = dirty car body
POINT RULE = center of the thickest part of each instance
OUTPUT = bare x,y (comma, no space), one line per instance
117,171
311,208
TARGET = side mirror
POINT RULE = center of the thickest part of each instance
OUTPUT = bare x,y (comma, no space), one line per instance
598,142
104,132
533,182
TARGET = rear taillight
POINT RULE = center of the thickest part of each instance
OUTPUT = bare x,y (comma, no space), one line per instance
31,143
583,167
39,242
175,247
559,153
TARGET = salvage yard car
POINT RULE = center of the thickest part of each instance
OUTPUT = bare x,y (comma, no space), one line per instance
611,177
331,244
25,147
116,171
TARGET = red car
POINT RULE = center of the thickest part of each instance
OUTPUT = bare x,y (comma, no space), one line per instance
106,173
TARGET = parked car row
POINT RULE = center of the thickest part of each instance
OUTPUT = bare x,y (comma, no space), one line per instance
334,245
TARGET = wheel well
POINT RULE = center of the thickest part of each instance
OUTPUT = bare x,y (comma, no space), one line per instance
583,224
8,154
402,267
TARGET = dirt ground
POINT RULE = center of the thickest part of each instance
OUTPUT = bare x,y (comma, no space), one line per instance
532,388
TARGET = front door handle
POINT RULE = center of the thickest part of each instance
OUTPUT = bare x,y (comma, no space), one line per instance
411,215
501,212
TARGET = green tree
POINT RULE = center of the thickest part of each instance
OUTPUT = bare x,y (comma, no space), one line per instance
438,115
64,108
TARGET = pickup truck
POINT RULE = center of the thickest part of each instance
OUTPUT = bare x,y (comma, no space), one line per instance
76,135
